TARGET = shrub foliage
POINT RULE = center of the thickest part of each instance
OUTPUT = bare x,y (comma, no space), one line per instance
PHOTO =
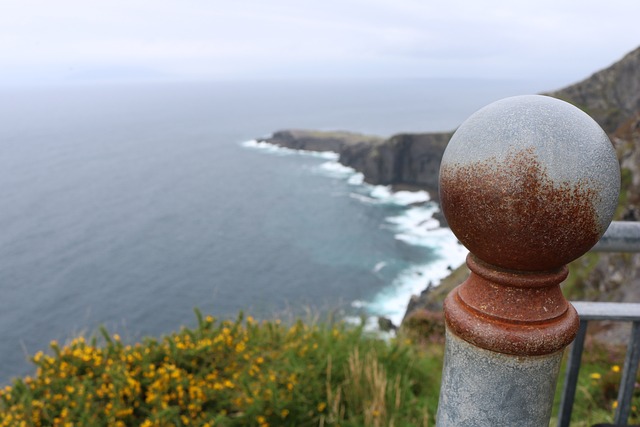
228,373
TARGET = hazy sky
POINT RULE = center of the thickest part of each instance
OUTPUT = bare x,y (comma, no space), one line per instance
548,40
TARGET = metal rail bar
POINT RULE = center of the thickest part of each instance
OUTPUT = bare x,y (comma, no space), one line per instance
621,236
628,376
617,311
595,311
571,376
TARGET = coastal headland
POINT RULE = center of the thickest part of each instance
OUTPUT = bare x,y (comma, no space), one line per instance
403,161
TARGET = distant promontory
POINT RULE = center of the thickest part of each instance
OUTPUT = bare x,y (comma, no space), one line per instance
403,161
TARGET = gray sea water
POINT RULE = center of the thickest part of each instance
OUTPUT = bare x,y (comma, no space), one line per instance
129,205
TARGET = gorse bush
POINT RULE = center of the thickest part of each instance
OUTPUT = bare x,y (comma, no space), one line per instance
229,373
248,373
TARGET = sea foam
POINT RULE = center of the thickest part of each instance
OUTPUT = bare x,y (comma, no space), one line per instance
283,151
414,225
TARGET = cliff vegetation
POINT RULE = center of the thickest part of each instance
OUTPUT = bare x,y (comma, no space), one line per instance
246,373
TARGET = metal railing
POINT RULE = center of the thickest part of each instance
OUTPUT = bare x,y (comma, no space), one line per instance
620,237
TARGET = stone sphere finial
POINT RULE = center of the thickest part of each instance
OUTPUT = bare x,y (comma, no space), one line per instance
529,183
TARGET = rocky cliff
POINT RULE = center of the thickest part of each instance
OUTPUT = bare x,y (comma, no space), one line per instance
611,95
312,140
404,160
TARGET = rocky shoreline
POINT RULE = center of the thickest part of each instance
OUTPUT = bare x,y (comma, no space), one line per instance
403,161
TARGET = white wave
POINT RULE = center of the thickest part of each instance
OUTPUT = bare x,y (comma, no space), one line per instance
363,198
278,150
407,198
356,179
379,266
392,301
416,226
329,155
400,198
254,143
381,192
358,304
250,143
336,169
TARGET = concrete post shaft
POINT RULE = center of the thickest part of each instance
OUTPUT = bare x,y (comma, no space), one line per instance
482,388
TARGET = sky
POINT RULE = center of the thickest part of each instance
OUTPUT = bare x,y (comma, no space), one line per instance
555,41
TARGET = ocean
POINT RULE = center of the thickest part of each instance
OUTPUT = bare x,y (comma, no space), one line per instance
130,205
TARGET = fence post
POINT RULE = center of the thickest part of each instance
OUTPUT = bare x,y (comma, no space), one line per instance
527,184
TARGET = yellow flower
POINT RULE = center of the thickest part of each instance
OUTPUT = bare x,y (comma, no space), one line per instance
321,406
615,368
124,412
284,413
614,405
595,376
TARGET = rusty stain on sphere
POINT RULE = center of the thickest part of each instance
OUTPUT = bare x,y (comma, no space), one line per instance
529,183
